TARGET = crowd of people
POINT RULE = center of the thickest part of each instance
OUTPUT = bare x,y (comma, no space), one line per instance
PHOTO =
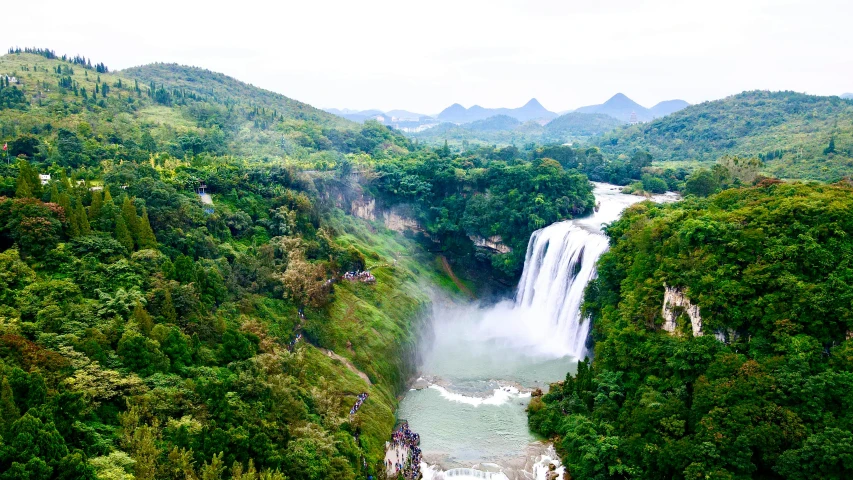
409,441
359,276
293,342
361,398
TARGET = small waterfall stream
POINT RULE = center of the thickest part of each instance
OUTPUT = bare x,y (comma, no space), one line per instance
469,404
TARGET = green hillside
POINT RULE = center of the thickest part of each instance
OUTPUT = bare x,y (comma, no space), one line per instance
226,90
796,135
135,113
144,332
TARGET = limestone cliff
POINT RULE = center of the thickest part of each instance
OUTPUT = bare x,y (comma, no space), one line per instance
494,243
364,208
674,303
395,218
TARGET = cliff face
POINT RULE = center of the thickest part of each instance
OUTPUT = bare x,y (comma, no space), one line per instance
395,218
494,243
674,303
364,208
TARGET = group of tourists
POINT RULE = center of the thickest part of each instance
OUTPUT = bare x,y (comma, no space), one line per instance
359,276
409,464
293,342
361,398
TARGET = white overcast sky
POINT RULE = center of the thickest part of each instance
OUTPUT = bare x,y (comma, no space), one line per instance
423,56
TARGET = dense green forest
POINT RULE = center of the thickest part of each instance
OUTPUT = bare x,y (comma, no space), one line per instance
766,392
502,130
797,135
149,332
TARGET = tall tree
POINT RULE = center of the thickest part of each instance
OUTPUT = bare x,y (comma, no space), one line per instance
167,310
131,220
96,206
82,218
122,233
142,318
23,189
146,233
8,410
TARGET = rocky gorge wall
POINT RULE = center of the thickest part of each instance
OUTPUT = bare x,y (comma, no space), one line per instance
396,218
674,303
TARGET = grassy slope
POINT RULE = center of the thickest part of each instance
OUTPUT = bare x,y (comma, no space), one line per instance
753,123
51,104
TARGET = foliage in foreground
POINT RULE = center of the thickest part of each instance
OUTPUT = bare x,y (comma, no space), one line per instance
770,396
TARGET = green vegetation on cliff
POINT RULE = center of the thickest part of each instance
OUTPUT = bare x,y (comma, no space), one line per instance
766,391
487,194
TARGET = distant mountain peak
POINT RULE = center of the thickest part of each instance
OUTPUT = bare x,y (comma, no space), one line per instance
533,103
622,100
620,106
532,110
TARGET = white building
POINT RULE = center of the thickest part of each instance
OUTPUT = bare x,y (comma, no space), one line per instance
45,178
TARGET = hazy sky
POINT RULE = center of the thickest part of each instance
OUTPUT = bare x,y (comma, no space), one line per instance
425,55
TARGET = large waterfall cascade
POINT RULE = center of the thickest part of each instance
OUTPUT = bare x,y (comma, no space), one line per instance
469,404
560,263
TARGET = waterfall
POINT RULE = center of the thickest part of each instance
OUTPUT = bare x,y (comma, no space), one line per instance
560,262
544,317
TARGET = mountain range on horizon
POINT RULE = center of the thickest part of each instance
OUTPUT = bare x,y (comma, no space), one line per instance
619,106
532,110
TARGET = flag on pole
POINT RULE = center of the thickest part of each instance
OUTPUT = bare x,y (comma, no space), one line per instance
5,146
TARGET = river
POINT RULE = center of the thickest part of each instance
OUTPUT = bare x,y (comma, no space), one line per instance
484,361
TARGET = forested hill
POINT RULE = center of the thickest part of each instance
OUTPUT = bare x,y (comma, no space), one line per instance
228,91
796,135
751,373
133,117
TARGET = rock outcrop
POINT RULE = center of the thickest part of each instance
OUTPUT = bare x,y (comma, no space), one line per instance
364,208
395,218
674,303
494,243
397,221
